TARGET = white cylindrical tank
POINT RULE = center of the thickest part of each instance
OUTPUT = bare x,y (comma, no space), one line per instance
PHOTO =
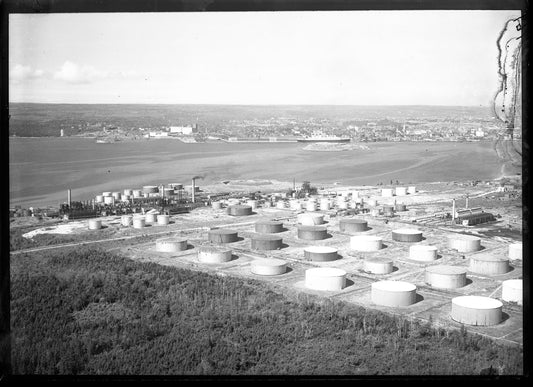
116,195
325,278
271,266
95,224
366,243
109,200
476,310
216,205
464,243
515,251
308,219
393,293
128,192
163,220
355,194
512,291
139,222
387,192
423,253
411,190
171,245
406,235
151,218
212,254
310,206
340,200
252,203
372,202
125,198
280,204
320,253
126,220
401,191
445,276
378,266
324,204
106,193
99,198
489,265
137,193
342,205
295,204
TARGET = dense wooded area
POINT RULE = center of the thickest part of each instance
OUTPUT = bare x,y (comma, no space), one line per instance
87,311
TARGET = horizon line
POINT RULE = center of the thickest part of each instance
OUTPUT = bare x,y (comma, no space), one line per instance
242,104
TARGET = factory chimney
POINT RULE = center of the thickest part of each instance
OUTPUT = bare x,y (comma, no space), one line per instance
466,202
68,197
193,188
453,209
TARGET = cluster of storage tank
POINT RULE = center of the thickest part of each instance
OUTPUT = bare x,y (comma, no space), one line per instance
147,191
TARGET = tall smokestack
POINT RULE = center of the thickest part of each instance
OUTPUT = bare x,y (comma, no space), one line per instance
193,188
466,203
68,197
453,209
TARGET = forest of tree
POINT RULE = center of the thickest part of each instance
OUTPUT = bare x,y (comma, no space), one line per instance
87,311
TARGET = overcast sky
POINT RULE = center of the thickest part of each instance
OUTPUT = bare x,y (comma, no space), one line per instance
313,57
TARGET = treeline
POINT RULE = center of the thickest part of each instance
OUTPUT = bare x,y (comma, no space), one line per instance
86,311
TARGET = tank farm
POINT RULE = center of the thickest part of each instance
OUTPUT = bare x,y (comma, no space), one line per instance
362,246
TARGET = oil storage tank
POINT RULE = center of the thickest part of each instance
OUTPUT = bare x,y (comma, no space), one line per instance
309,219
411,189
151,218
128,192
387,192
352,225
512,291
216,205
139,222
445,276
393,293
324,204
126,220
489,265
321,253
163,220
214,254
110,200
171,245
515,251
271,266
222,235
423,253
95,224
268,226
99,198
407,235
325,278
366,243
239,210
401,191
266,242
400,207
388,210
476,310
464,243
312,233
378,266
116,195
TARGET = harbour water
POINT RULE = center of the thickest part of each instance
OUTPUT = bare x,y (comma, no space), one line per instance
42,169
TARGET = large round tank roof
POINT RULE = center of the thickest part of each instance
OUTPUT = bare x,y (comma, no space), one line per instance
489,258
446,269
321,249
311,228
265,237
326,272
477,302
410,231
269,222
464,237
394,286
423,248
364,238
213,249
